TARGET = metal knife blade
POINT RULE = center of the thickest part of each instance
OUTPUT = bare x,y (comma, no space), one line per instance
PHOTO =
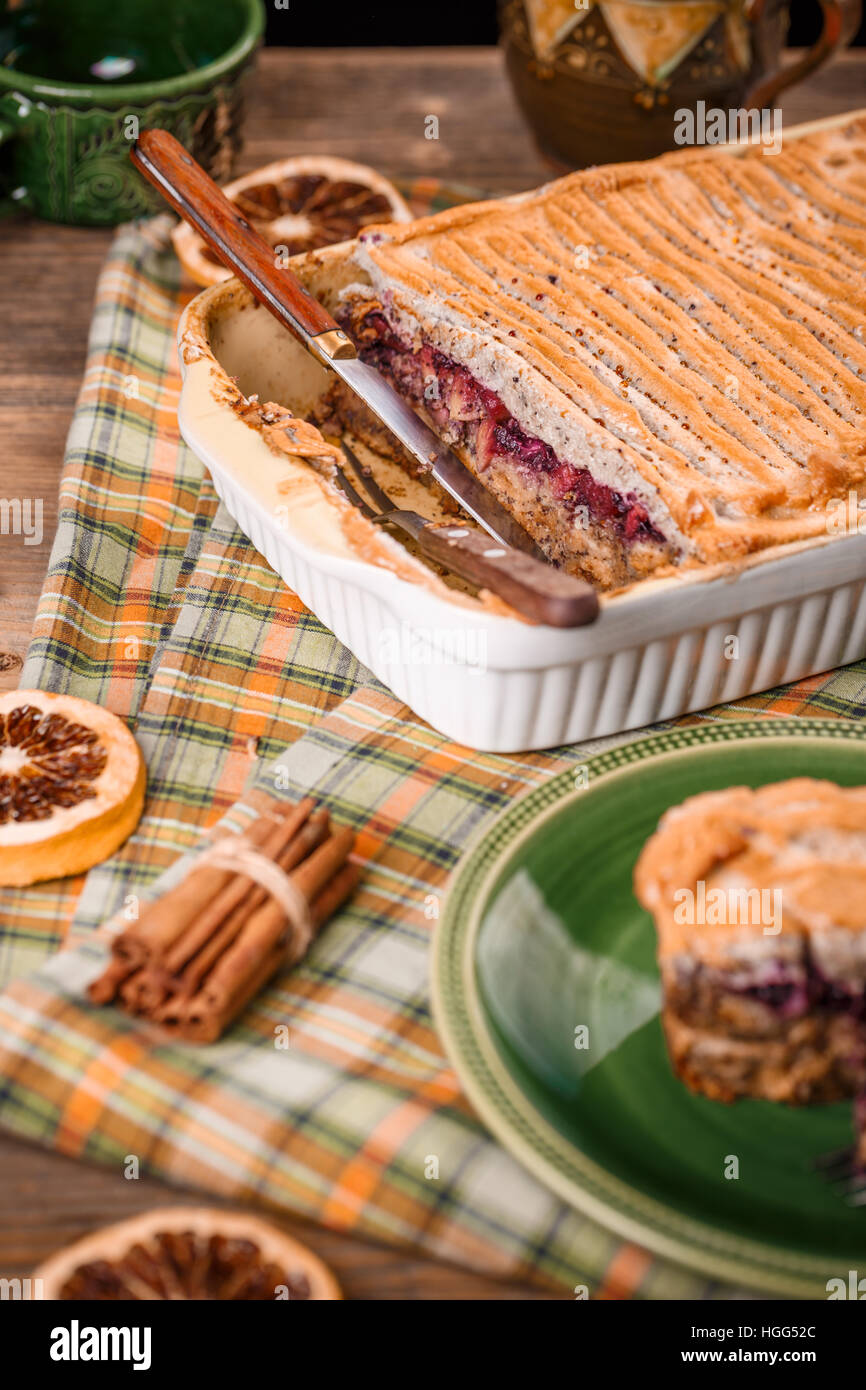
448,470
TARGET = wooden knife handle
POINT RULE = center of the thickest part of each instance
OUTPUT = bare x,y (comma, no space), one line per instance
191,192
535,590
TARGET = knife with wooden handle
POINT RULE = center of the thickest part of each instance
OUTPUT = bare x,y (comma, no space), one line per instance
472,555
548,595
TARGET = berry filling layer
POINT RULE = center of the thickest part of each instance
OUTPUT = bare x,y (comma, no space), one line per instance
789,990
467,414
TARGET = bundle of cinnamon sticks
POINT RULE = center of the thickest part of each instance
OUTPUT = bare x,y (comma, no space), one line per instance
197,955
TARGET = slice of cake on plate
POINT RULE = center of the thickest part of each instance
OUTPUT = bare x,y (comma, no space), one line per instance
759,901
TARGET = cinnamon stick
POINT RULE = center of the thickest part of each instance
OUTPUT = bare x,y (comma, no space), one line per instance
304,843
201,1024
162,921
263,930
160,993
103,989
198,955
148,988
130,992
172,1012
332,897
232,895
311,876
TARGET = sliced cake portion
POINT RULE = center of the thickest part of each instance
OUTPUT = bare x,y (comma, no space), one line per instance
759,901
653,366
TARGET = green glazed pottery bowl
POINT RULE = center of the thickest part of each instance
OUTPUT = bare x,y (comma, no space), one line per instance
546,995
75,89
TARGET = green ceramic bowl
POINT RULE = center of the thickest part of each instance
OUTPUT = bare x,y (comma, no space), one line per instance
75,90
542,936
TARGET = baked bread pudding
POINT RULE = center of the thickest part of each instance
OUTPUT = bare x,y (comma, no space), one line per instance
653,366
759,901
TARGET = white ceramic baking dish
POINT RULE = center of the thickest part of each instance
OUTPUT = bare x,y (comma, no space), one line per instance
492,682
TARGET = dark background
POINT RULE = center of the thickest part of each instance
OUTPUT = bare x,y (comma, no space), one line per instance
332,23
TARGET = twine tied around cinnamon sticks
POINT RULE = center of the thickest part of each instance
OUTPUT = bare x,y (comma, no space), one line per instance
248,906
237,853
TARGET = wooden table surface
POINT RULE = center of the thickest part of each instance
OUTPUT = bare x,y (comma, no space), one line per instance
363,104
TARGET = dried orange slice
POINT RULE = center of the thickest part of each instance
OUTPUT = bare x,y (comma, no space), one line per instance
188,1253
72,785
302,203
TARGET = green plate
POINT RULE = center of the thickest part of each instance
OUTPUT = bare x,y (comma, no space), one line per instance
542,937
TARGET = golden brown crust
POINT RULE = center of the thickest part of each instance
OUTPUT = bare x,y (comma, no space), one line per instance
804,839
694,325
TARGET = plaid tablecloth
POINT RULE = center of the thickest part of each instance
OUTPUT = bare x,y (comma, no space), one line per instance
157,607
